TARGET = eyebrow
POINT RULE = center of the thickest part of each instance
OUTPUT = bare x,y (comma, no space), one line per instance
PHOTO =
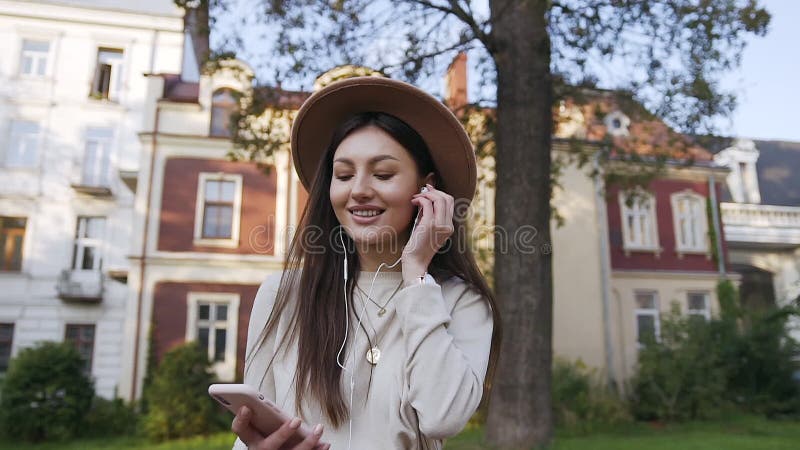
373,160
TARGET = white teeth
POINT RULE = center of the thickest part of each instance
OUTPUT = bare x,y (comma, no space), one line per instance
366,213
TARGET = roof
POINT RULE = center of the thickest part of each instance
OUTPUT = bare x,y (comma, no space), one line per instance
645,135
778,167
155,7
280,98
180,91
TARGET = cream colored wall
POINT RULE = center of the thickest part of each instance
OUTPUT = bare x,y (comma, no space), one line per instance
577,295
670,287
785,267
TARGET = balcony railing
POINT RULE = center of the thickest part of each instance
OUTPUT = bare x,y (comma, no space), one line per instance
81,285
767,224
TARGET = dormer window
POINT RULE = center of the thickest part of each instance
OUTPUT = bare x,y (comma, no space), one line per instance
223,105
617,123
742,181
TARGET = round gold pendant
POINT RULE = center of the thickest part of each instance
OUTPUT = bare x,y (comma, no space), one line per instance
381,312
373,355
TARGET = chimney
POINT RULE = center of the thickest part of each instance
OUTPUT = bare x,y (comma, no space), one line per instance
456,83
196,26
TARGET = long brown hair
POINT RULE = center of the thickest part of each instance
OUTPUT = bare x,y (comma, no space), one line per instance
314,294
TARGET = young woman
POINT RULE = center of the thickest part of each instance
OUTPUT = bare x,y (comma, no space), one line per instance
381,329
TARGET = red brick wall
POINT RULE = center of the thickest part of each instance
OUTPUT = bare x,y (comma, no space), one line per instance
170,301
668,258
179,197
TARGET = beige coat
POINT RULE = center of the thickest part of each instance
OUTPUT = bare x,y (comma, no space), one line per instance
434,342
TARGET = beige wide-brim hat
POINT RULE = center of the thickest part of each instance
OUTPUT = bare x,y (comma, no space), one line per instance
323,112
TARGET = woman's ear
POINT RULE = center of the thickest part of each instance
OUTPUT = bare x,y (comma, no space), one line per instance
429,179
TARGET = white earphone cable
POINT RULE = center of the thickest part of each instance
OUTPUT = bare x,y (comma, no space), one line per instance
360,316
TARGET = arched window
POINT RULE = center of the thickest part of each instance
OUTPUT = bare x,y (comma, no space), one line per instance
223,104
689,219
639,228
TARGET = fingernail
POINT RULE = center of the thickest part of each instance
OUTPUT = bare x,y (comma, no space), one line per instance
245,412
295,423
318,429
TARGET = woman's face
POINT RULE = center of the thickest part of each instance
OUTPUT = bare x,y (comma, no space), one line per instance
374,179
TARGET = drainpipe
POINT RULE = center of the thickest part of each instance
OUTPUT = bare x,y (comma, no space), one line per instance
712,192
154,146
605,269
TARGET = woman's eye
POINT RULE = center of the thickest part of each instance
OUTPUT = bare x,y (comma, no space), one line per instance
384,176
343,177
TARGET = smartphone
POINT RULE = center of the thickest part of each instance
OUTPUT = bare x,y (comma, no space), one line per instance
266,416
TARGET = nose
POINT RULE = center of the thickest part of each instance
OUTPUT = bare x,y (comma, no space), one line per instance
362,188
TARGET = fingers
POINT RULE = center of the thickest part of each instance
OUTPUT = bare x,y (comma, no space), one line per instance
241,426
281,435
311,441
427,209
443,208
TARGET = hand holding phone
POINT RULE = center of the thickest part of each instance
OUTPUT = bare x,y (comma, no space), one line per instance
261,424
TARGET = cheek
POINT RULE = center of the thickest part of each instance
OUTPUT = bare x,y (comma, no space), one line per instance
338,199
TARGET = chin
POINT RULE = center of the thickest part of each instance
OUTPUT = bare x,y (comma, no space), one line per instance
371,235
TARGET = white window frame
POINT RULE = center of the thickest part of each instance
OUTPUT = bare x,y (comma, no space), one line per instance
18,144
116,78
654,312
98,173
628,235
81,243
699,222
706,311
38,58
225,370
233,241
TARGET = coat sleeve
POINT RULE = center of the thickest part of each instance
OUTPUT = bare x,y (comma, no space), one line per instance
447,353
257,356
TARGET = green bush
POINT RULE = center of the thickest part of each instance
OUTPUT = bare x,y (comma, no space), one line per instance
177,396
108,418
45,394
582,400
761,366
702,369
682,377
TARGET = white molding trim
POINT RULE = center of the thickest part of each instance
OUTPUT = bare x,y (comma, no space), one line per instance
710,276
226,370
233,241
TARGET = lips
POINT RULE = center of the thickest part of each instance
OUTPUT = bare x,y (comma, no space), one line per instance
364,214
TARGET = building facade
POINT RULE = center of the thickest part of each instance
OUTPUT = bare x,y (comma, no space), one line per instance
761,214
207,230
73,102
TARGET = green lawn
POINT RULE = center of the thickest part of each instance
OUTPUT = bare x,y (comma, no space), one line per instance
736,434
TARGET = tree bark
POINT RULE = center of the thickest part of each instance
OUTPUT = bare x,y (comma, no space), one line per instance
520,412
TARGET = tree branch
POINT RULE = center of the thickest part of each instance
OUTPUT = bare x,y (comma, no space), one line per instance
457,11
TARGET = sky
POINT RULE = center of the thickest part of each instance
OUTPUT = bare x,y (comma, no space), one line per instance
767,84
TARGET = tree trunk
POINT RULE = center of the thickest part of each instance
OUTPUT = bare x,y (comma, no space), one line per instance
520,412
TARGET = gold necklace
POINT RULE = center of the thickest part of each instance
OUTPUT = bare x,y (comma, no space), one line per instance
381,308
374,354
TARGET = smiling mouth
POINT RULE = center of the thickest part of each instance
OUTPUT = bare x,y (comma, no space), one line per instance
367,213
